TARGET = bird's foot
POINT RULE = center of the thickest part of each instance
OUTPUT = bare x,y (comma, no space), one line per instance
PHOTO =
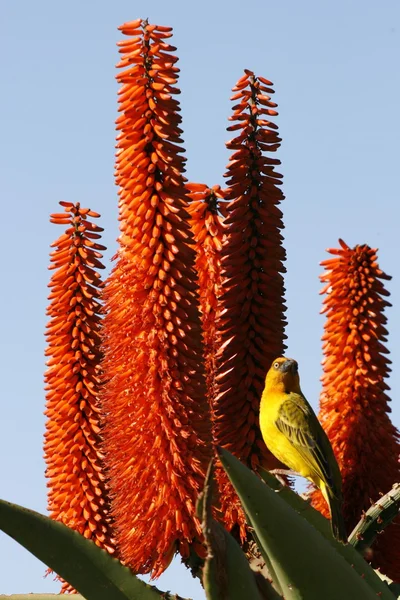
285,472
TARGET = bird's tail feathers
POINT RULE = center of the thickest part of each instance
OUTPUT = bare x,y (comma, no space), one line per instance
335,508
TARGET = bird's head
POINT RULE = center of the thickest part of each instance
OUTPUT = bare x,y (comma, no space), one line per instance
283,375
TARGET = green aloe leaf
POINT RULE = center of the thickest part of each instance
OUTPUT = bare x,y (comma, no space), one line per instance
38,597
374,521
90,570
307,565
226,575
353,557
393,587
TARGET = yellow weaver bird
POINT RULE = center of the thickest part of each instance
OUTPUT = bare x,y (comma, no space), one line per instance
294,435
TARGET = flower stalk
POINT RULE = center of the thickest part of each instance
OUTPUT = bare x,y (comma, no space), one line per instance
208,231
354,405
157,426
251,315
77,493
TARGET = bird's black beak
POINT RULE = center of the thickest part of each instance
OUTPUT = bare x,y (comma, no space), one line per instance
290,366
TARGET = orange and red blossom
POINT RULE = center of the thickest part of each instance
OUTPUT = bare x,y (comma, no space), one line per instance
354,405
208,231
157,436
76,482
251,313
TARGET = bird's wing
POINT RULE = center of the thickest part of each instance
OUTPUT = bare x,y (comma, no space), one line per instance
297,421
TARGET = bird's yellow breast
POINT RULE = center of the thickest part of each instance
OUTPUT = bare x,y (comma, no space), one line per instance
276,441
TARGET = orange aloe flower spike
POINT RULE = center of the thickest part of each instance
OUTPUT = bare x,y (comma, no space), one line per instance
77,492
354,405
251,322
208,231
157,436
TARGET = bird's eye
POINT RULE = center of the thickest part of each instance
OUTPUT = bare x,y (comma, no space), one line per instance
276,365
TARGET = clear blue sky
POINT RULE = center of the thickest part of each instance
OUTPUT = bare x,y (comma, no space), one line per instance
335,66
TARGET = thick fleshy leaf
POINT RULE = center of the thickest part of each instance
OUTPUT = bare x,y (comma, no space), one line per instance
393,587
304,561
314,517
90,570
37,597
226,575
374,521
